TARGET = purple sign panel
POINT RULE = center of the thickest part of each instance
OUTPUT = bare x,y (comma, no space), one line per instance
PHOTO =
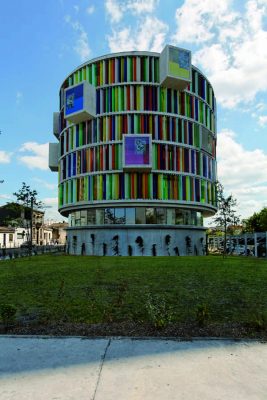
137,150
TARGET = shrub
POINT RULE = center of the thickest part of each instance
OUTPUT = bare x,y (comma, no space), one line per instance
8,312
202,314
259,321
158,312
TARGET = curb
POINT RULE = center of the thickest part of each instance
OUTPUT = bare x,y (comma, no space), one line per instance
136,338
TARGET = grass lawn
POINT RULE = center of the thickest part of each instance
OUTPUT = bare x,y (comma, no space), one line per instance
180,296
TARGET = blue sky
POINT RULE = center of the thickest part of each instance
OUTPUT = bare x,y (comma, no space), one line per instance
41,42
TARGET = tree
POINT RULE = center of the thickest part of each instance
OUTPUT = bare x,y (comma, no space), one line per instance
10,214
226,214
257,222
28,199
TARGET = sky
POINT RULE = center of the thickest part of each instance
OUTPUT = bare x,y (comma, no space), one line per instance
41,42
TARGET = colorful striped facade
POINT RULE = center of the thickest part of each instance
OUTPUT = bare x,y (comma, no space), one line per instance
130,100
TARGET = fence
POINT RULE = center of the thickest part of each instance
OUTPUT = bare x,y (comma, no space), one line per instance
16,252
246,244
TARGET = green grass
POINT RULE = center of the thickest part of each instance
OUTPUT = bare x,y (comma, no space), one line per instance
142,289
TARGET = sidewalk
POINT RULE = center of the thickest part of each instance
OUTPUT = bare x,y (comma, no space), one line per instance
128,369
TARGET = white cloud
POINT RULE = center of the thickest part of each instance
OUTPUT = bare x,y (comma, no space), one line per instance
196,20
82,44
117,8
212,58
5,157
50,201
46,185
255,13
76,8
150,35
262,120
113,10
260,106
90,10
38,158
232,46
51,212
6,197
19,96
237,166
142,6
242,172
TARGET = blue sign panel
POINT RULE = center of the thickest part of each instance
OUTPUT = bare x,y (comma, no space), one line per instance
74,99
136,150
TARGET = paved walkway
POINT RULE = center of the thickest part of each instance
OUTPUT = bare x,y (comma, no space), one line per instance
126,369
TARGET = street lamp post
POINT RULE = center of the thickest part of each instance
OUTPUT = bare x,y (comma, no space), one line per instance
30,247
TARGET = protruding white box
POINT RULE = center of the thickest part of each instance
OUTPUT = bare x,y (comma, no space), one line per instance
53,156
80,102
175,67
56,129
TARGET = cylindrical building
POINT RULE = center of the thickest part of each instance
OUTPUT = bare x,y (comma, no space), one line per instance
136,154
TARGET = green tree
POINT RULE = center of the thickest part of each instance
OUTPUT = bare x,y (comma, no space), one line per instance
257,222
27,198
226,215
10,214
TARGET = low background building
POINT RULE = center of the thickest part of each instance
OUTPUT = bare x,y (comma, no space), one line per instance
12,236
59,232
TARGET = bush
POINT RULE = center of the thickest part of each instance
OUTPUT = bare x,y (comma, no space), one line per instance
259,321
202,314
8,312
158,312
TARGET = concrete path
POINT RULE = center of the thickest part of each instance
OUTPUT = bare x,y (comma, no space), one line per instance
126,369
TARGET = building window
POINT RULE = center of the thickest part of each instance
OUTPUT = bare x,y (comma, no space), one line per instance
10,238
130,216
72,219
199,219
150,215
187,217
77,218
119,215
161,215
91,217
100,217
83,217
109,216
140,215
171,216
179,217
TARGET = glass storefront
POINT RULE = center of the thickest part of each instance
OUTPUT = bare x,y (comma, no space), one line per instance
138,215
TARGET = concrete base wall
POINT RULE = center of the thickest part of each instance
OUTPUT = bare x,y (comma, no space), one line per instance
136,241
